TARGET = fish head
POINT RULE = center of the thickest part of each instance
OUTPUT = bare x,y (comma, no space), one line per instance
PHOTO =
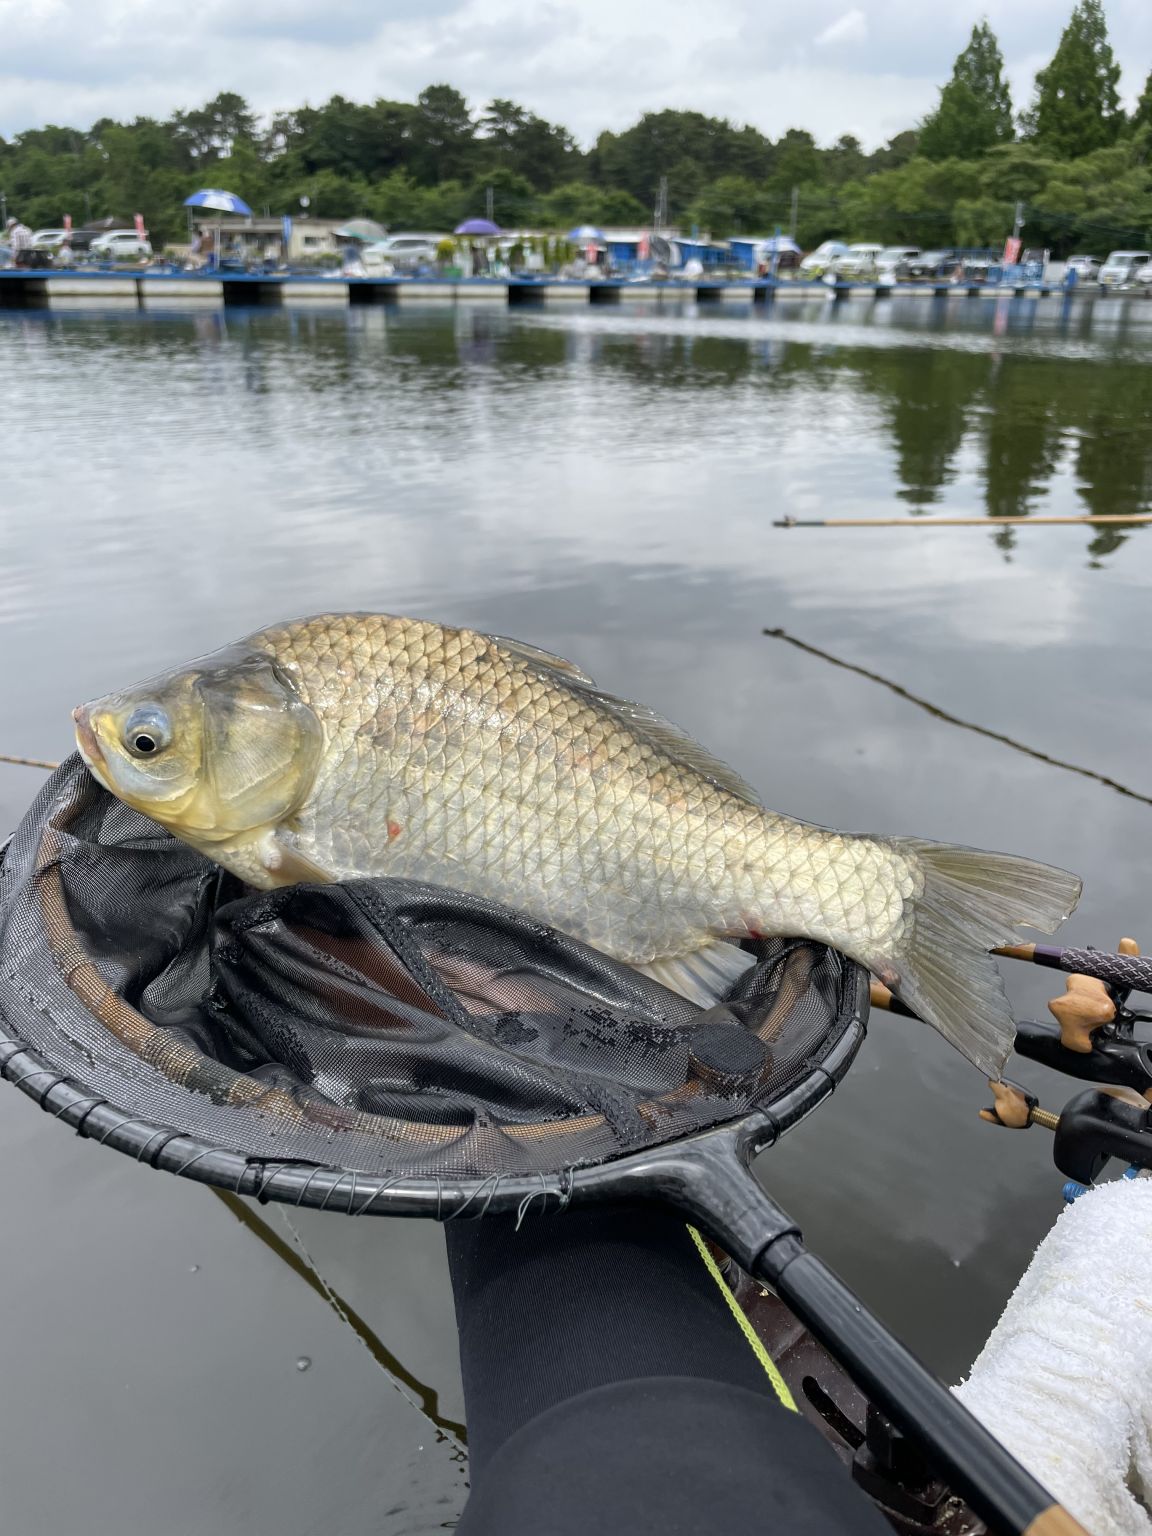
212,751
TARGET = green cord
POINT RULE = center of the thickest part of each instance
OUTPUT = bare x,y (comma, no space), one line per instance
780,1386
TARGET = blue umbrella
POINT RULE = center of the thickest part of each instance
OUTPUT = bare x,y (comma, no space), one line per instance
218,201
477,227
585,232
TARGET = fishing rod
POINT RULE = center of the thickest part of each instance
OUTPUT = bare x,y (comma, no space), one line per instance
28,762
938,713
1097,1038
1120,519
1128,970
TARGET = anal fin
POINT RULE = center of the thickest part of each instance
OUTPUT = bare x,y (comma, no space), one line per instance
705,976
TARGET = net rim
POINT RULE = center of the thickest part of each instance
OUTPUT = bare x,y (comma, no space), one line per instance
440,1197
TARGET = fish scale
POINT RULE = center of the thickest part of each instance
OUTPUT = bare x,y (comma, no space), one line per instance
609,813
477,811
354,745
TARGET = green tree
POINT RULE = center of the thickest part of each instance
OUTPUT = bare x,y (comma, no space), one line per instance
513,197
797,160
1077,105
732,205
1142,117
573,202
897,152
845,161
517,140
427,164
342,136
975,108
210,131
916,203
688,148
443,136
619,207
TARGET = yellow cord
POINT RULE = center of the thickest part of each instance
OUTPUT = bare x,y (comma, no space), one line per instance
780,1386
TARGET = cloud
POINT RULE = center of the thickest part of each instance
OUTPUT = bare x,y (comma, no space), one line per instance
852,27
870,70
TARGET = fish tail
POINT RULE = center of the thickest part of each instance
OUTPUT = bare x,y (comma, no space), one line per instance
970,901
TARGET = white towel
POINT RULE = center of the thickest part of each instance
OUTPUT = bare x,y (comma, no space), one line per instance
1065,1380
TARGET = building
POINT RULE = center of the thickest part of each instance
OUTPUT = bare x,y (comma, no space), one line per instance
309,238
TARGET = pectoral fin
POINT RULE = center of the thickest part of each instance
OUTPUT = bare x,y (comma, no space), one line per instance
286,865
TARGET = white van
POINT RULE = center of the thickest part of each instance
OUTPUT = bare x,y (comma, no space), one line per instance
819,261
1122,266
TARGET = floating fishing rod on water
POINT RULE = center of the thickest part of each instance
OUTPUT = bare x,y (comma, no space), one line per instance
965,725
28,762
1120,520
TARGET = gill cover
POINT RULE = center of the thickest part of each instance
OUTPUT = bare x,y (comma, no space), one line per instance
261,745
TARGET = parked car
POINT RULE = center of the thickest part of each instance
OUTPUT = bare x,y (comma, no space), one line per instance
894,261
819,261
858,261
401,252
1144,275
935,264
120,245
48,239
1122,266
82,239
1086,268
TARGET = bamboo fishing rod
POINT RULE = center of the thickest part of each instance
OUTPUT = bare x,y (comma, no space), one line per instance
27,762
1120,520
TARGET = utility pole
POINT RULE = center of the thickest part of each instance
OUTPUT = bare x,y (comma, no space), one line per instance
660,217
1019,224
795,214
489,205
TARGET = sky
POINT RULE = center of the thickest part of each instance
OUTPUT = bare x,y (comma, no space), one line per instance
831,66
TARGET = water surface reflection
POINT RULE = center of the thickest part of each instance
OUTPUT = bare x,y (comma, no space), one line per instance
603,484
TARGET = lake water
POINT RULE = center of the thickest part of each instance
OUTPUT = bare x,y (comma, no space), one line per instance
604,484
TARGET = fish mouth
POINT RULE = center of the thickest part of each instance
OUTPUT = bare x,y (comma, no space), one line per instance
88,742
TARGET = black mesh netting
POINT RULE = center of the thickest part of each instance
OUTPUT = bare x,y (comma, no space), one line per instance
379,1026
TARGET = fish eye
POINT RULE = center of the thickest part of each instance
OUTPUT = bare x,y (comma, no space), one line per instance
147,732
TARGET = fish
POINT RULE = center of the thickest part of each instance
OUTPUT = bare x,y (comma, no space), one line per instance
353,745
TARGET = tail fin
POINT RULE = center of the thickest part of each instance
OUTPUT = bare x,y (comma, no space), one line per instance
970,902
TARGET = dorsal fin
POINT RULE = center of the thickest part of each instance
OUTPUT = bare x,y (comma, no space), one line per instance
567,669
645,722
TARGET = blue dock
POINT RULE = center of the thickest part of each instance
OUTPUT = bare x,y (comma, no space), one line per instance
22,289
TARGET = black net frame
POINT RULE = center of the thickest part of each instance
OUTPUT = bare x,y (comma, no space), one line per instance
79,1017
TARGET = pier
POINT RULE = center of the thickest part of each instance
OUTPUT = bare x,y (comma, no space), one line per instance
21,289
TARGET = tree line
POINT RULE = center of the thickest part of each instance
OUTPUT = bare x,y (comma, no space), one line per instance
1079,164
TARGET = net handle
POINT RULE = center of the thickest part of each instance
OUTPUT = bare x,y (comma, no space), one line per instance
710,1179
